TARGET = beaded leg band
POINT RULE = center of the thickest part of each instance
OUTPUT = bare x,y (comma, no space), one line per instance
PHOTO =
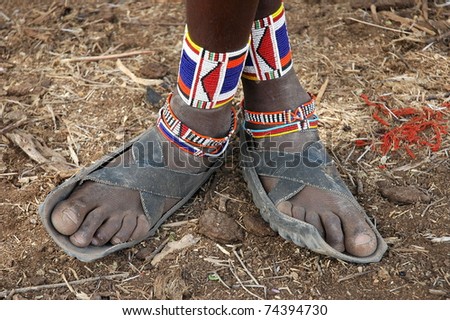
208,79
189,140
270,55
279,123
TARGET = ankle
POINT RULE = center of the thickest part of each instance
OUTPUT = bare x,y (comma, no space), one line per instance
274,95
213,123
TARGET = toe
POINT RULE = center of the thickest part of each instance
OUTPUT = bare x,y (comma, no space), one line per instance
298,213
68,215
360,240
285,207
85,233
142,227
106,231
362,243
313,218
333,231
129,224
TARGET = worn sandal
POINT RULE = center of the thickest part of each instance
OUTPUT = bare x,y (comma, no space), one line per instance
294,171
145,173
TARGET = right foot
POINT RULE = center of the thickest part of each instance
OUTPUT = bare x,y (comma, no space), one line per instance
336,218
95,213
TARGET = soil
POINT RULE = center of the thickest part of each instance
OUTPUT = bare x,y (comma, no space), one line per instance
58,116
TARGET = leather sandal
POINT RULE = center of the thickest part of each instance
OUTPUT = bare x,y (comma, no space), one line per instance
145,173
294,171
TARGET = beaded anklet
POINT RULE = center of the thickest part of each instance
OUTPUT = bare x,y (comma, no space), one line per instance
277,131
302,112
189,140
282,122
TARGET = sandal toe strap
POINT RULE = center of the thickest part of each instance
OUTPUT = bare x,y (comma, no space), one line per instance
294,171
148,174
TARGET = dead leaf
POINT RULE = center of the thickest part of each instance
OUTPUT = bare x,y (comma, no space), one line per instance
39,152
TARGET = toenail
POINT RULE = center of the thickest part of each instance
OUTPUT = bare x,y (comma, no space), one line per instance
363,239
77,239
116,240
69,215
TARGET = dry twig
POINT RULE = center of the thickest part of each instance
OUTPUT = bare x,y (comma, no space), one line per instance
7,293
355,275
242,285
245,267
134,78
378,26
107,57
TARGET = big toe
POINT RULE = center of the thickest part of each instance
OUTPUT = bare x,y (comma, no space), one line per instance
361,244
68,216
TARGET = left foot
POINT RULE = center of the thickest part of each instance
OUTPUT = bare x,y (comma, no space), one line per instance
337,219
97,213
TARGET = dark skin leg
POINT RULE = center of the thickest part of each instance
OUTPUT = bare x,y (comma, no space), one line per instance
95,214
335,218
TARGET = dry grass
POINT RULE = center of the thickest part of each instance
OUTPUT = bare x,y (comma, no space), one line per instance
60,113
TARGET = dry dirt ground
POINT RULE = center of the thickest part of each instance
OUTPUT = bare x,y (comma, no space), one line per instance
59,115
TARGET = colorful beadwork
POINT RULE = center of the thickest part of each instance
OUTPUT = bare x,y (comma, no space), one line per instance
207,79
189,140
310,123
270,55
283,122
302,112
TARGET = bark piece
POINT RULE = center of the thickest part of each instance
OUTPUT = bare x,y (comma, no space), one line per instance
404,195
256,225
219,227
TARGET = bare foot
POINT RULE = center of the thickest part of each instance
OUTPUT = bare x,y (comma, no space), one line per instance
95,213
337,219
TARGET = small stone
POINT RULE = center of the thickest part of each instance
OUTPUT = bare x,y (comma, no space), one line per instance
152,96
223,204
404,195
40,273
219,227
153,70
144,253
384,274
256,225
46,83
347,128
